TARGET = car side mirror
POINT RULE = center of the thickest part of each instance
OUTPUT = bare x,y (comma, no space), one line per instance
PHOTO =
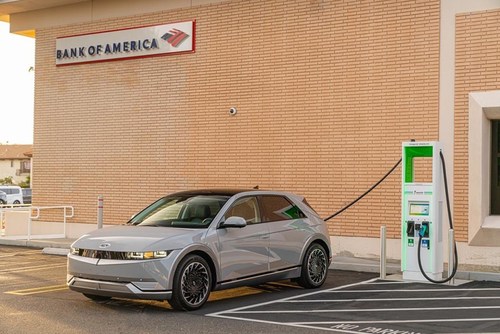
234,221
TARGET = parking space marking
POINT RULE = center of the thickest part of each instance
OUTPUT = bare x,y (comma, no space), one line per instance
236,292
344,314
383,299
43,289
286,299
32,268
389,321
374,310
20,253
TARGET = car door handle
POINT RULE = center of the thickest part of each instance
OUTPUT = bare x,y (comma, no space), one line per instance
265,236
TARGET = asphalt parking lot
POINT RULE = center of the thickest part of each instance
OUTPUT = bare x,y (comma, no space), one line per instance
34,299
384,307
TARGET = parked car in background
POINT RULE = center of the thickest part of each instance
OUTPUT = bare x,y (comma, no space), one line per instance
14,194
26,195
3,198
185,245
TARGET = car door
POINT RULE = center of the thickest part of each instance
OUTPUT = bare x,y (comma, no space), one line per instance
244,252
289,229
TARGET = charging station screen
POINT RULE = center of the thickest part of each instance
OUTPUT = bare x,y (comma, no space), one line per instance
419,209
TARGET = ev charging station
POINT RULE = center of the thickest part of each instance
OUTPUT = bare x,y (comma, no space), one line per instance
422,208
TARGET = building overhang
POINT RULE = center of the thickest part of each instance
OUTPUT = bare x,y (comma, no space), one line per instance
10,8
26,16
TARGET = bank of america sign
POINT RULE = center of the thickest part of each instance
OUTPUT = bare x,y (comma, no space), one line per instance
140,42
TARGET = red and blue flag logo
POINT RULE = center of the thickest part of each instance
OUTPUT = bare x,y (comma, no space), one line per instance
175,37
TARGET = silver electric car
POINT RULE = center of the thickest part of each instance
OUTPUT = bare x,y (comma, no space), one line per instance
187,244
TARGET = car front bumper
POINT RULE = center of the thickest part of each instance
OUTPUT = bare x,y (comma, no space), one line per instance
115,289
139,279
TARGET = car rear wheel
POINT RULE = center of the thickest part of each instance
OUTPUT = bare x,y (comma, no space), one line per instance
17,202
314,267
96,297
192,284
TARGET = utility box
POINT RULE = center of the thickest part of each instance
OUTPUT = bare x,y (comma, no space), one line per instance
421,209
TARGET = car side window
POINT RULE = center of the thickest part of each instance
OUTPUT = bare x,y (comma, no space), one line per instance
246,208
276,208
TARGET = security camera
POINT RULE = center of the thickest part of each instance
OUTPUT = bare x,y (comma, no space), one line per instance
232,111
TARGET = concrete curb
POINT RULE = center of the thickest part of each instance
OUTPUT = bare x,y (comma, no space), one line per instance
373,266
55,251
38,243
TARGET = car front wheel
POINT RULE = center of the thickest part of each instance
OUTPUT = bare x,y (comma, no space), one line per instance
192,284
314,267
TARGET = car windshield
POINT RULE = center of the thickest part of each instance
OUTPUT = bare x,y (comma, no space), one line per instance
192,211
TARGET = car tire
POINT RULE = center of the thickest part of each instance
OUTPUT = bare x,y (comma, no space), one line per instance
16,202
192,284
96,298
314,267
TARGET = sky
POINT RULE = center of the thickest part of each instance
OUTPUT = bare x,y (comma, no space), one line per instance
17,55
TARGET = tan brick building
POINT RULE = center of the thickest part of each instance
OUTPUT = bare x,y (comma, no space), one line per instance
326,92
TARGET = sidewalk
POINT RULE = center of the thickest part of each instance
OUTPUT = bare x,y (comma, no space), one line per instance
61,247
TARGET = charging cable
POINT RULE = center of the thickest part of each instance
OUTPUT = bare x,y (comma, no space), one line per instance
365,193
423,228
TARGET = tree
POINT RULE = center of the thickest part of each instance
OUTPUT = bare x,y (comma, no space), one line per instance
25,183
7,181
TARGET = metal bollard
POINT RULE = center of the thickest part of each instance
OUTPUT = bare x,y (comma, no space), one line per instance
382,253
100,207
451,254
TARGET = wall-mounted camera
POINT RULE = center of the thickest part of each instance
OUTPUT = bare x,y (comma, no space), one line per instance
232,111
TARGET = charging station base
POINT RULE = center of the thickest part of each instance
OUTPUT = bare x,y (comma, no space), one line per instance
417,276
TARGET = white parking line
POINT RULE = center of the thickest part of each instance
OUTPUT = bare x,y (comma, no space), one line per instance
380,299
399,309
415,290
411,321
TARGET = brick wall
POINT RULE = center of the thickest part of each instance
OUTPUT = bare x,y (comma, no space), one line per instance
326,92
476,69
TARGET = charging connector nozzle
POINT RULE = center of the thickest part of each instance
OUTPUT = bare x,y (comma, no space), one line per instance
424,230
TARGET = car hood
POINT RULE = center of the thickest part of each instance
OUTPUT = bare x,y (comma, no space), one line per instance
139,238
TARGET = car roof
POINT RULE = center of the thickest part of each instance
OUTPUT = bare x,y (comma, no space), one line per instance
222,192
233,192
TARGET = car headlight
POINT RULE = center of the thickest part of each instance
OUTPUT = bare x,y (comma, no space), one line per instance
74,251
147,255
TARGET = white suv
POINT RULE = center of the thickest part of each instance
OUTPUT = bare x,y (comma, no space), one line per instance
14,194
3,198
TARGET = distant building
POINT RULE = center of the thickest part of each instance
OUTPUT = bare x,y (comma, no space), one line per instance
15,162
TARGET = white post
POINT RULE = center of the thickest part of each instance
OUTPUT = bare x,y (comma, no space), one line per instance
64,222
382,253
451,254
2,224
100,206
29,227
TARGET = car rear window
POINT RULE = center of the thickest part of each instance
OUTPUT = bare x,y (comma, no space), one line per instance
276,208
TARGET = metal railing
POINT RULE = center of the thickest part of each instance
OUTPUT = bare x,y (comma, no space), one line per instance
34,214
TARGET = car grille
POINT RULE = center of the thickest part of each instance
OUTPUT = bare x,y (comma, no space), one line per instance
100,254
